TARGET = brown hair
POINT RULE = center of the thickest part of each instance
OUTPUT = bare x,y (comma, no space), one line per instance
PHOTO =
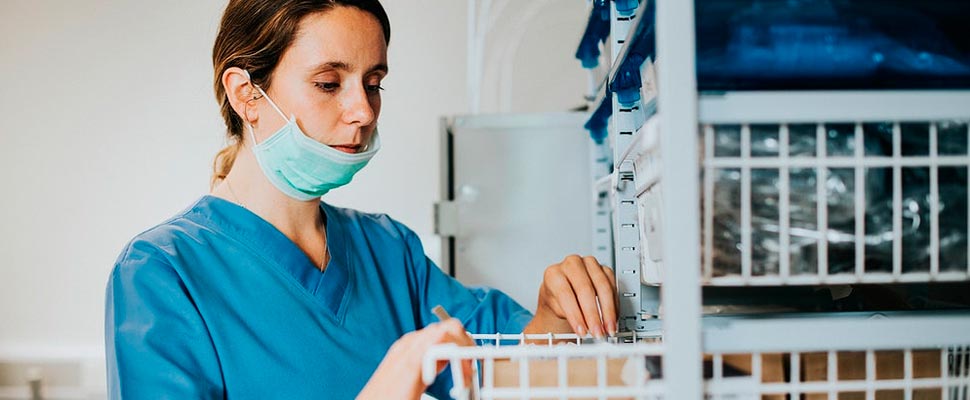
253,35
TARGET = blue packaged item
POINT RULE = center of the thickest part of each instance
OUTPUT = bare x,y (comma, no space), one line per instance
642,47
628,81
626,8
832,44
600,119
597,31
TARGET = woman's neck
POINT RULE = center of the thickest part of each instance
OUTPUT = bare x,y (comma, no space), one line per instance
300,221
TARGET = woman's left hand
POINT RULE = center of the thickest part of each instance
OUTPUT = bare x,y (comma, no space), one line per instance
399,374
577,295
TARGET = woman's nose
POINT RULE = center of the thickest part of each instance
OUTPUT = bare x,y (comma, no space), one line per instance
357,108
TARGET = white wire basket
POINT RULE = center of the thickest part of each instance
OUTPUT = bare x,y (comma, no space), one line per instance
840,374
547,368
560,366
820,203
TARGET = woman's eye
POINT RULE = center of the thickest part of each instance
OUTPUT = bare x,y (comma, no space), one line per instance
374,88
328,86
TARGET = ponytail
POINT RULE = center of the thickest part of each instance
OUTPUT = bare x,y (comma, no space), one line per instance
223,163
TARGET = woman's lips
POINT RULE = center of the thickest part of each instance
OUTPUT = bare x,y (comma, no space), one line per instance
347,148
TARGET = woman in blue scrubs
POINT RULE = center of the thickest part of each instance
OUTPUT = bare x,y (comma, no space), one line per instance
261,290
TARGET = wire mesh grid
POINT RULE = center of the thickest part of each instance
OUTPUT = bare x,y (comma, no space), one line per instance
835,203
553,366
838,375
565,367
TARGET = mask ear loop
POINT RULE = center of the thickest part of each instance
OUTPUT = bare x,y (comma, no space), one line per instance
252,131
275,107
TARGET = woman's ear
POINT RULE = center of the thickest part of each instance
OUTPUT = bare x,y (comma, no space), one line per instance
241,93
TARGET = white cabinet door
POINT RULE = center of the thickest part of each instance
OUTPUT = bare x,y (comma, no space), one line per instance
520,198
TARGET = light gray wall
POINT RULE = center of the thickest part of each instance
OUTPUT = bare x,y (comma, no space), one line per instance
108,126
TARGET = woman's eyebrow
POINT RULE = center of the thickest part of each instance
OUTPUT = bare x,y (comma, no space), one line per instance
378,68
345,66
338,65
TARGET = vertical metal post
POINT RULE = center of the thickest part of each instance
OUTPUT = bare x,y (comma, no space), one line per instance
626,223
821,201
832,374
447,187
626,246
746,228
870,375
619,29
908,373
681,293
709,173
602,233
860,203
784,205
897,202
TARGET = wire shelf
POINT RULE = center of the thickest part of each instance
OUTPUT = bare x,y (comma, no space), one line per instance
564,367
821,203
838,203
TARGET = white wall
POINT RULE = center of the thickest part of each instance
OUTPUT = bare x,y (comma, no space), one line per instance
108,125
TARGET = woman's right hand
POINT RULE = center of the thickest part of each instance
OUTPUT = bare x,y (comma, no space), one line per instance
399,374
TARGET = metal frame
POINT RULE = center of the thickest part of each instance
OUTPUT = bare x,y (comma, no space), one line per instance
626,230
833,106
602,204
677,109
657,165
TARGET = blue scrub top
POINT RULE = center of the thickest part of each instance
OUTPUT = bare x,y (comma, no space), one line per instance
217,303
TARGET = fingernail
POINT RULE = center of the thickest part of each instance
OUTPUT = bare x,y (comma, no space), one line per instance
612,328
581,330
597,332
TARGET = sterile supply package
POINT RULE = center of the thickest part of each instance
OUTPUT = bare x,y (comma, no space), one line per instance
832,44
840,198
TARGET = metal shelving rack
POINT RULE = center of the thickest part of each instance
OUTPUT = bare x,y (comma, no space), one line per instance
654,160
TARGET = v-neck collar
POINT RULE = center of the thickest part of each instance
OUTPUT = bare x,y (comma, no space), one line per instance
328,287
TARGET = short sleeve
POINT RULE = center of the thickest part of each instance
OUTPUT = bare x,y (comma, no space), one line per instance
157,344
480,309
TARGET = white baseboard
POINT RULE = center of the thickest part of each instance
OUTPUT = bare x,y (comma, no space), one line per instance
66,372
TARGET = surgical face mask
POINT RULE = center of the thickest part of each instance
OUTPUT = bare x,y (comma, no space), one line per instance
302,167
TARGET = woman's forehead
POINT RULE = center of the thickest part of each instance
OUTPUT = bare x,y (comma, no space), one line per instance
343,38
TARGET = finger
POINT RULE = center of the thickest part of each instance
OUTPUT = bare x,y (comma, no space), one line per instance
457,334
585,294
562,293
559,323
450,331
611,274
604,293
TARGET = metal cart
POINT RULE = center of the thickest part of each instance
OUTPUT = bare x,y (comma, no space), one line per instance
655,219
